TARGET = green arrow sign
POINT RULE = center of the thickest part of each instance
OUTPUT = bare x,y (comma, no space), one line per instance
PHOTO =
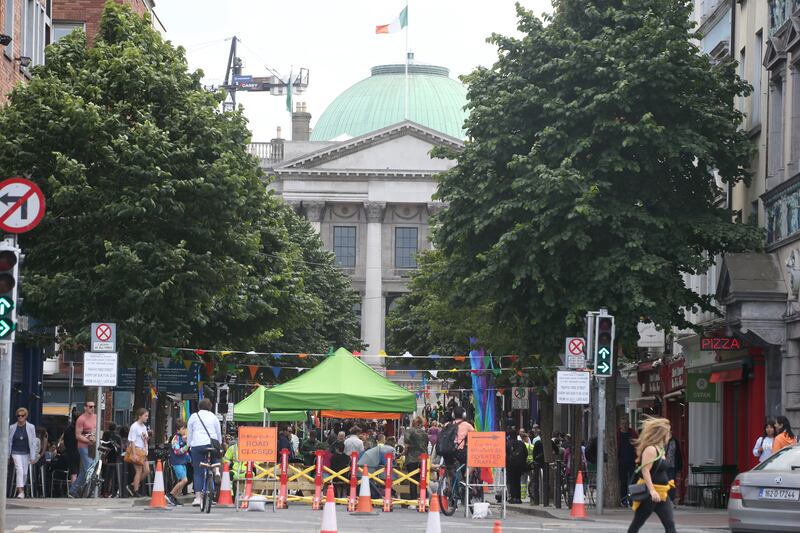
604,352
6,305
603,367
6,327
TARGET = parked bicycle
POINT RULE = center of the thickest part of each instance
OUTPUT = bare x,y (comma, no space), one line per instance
94,475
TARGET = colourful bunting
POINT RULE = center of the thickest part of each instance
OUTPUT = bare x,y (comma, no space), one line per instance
174,352
357,354
276,371
209,369
276,355
187,364
391,372
200,352
302,355
224,353
382,353
460,358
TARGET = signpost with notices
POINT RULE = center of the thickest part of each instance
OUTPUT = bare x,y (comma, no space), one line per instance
519,398
572,387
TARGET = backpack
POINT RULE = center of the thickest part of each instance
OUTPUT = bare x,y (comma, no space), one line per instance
446,445
517,453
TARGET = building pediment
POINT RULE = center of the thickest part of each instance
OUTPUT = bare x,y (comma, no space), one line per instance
775,52
400,148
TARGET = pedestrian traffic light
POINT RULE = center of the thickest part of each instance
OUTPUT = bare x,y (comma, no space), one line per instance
604,346
9,263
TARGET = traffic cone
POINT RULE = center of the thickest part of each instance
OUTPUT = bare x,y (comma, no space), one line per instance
158,500
225,498
498,527
434,520
364,495
578,501
329,513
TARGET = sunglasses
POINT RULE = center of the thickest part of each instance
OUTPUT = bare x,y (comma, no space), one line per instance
90,406
21,416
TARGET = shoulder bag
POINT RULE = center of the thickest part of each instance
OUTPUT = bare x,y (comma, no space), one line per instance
215,444
638,491
135,455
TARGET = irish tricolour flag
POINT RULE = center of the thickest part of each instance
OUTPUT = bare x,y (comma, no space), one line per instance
396,25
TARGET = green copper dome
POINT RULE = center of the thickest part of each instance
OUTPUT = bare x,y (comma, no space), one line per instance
434,100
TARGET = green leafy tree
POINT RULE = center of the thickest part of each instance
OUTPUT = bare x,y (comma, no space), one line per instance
157,217
587,177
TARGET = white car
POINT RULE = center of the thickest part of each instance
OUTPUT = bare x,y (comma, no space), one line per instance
767,498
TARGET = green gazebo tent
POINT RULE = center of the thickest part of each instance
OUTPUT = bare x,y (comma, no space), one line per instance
252,409
341,382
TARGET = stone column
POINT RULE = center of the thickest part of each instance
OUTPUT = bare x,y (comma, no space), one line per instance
775,161
373,310
791,381
314,212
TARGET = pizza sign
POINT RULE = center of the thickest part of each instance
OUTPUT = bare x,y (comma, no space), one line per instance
720,344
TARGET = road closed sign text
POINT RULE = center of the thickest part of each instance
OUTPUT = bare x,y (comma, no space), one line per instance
258,444
572,387
486,449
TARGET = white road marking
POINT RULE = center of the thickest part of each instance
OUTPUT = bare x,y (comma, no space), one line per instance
25,527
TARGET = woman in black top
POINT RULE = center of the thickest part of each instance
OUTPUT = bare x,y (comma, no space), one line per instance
655,435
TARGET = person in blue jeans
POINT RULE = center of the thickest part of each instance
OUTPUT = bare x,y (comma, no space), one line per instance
85,433
178,458
202,427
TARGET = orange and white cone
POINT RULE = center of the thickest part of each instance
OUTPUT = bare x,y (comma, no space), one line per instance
364,495
434,520
578,500
158,500
498,527
329,513
225,497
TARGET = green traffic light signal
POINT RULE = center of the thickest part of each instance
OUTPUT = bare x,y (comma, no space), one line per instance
604,364
6,328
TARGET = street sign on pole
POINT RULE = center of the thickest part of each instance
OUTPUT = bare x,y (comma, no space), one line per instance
519,398
575,352
104,337
99,369
572,387
604,344
21,205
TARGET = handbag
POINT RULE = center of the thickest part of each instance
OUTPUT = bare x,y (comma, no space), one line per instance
215,444
134,455
638,492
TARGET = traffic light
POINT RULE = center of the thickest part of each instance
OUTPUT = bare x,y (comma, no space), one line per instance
9,273
604,346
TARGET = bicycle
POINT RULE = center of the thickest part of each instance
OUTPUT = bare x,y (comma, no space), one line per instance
94,475
209,483
452,488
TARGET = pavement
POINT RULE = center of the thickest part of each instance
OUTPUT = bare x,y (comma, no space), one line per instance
131,516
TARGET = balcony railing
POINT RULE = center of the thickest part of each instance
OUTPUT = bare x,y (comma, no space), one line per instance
268,153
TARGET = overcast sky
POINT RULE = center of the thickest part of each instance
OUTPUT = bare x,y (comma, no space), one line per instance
334,39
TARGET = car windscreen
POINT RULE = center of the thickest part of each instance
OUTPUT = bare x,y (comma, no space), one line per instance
785,459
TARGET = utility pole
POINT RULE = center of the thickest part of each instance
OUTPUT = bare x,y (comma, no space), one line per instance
603,350
9,273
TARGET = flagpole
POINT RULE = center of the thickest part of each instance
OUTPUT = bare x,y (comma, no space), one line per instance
405,99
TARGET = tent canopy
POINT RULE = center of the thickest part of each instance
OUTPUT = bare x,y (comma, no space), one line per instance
341,382
251,409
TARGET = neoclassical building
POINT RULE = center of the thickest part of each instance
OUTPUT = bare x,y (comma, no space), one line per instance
364,177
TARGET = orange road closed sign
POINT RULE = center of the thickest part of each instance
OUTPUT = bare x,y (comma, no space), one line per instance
486,449
258,444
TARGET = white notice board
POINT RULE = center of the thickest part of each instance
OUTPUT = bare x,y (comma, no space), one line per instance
99,369
572,387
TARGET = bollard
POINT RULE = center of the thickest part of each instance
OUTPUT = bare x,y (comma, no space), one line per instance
283,498
351,501
316,501
557,485
387,492
423,483
546,485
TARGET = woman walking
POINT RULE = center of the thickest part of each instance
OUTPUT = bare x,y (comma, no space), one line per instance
763,447
783,434
23,447
137,450
652,467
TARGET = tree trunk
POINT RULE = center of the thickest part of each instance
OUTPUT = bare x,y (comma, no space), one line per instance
139,394
611,496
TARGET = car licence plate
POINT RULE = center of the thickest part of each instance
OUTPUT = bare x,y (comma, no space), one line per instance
779,494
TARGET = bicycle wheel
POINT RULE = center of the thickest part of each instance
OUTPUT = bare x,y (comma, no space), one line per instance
208,494
447,495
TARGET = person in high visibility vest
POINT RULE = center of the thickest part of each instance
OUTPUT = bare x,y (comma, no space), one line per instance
238,469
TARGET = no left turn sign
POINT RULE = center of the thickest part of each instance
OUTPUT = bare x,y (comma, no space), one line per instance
21,205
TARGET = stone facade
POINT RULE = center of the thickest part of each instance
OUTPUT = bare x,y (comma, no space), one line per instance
370,199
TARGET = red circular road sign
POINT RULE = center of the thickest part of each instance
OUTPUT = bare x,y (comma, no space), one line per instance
103,332
21,205
576,347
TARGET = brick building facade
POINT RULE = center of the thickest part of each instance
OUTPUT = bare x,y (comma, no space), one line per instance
86,14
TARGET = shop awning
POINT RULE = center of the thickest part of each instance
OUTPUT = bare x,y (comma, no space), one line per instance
724,376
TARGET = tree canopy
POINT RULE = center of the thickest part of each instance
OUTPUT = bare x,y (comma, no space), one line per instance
157,217
588,176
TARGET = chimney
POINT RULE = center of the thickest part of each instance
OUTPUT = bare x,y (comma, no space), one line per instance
301,123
